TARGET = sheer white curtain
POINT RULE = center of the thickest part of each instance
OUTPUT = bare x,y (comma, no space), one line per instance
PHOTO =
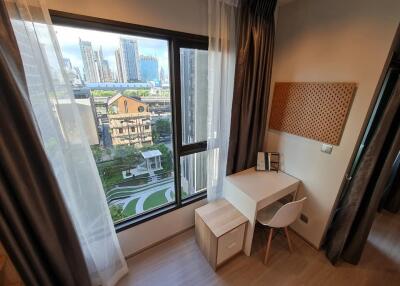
64,140
222,30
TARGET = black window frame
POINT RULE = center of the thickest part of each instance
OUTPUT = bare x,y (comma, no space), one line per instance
176,40
184,149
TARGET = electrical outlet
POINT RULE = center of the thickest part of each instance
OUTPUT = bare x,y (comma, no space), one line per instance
304,218
326,148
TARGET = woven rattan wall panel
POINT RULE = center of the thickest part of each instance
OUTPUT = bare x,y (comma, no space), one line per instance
313,110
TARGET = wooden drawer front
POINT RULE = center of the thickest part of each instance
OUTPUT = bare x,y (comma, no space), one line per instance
230,243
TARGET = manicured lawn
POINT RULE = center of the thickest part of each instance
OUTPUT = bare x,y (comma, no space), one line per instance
138,181
125,192
130,209
155,200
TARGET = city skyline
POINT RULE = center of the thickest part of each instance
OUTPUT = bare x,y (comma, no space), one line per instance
130,59
109,44
148,68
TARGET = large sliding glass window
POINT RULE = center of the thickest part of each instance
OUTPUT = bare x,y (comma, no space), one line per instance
142,96
193,67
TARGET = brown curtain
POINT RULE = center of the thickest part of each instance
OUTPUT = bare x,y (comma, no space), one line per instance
35,227
252,83
391,199
356,211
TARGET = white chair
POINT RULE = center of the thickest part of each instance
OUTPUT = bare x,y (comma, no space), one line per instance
278,215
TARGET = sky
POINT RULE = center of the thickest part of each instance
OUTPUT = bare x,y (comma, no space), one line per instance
68,39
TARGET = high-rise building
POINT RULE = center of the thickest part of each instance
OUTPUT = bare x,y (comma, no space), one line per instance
102,66
194,97
95,67
98,62
90,70
73,73
194,94
107,71
78,74
118,61
67,63
130,59
162,75
149,68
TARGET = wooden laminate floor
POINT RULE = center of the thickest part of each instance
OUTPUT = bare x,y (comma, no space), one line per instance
179,261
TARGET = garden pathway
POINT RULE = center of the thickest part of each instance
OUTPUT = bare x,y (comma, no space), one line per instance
143,195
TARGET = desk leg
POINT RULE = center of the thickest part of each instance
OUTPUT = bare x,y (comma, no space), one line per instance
295,194
249,239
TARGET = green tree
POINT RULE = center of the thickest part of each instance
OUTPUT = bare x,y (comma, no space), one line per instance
155,135
163,127
166,155
104,93
116,213
165,92
97,152
143,92
130,92
100,153
128,156
121,151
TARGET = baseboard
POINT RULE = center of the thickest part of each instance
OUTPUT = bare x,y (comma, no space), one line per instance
190,227
158,242
306,240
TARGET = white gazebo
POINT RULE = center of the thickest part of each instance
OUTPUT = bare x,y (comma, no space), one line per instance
152,160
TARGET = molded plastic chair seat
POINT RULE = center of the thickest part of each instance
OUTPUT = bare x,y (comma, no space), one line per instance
278,215
265,215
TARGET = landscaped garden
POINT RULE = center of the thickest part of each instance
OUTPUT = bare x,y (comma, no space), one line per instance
154,200
130,209
124,192
125,158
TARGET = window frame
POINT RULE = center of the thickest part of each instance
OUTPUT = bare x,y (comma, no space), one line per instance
192,148
176,40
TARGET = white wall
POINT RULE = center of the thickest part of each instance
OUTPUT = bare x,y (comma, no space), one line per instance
146,234
188,16
329,40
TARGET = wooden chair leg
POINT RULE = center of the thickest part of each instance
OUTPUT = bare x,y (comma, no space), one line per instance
288,239
271,232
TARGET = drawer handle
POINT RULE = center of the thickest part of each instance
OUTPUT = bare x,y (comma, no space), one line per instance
231,245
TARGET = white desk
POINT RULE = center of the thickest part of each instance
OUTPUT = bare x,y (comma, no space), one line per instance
251,190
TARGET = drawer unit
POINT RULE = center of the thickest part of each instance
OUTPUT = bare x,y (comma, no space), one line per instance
220,230
230,243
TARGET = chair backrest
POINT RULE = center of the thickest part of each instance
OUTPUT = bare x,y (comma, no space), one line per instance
287,214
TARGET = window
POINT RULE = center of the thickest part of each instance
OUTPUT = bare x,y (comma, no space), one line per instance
151,145
193,174
193,75
193,65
